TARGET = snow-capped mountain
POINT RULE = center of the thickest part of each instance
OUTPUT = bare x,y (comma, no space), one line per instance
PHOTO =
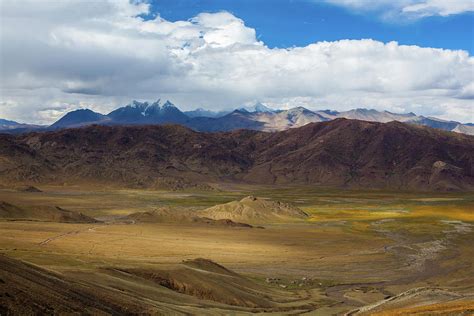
135,111
146,113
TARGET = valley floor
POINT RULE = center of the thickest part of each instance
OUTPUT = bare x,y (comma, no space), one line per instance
360,252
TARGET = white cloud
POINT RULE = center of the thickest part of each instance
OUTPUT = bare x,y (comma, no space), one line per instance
58,55
392,9
440,7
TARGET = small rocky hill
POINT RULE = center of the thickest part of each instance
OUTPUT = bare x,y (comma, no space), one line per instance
255,210
177,216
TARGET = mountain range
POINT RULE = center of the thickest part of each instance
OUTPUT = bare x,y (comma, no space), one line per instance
257,117
336,153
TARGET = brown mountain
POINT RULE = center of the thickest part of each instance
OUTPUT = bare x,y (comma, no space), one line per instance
367,154
339,153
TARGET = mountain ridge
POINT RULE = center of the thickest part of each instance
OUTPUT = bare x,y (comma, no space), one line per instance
339,153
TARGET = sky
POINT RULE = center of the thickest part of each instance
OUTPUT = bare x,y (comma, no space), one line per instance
400,56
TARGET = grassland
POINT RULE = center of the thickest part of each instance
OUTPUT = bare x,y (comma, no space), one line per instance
357,247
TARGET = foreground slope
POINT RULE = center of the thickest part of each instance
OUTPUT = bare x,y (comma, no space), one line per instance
193,287
30,290
339,153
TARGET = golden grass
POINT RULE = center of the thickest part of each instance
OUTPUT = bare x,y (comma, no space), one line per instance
295,250
453,212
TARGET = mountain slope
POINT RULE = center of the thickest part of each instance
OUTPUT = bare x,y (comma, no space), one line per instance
338,153
30,290
192,287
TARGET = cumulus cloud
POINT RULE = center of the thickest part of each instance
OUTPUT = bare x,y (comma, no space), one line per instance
391,9
62,55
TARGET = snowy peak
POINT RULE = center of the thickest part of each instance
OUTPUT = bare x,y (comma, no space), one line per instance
169,108
260,107
137,104
146,113
257,107
140,106
145,109
151,109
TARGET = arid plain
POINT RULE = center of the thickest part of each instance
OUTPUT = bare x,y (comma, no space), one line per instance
363,252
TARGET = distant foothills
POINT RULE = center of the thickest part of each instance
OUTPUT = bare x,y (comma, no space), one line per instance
258,117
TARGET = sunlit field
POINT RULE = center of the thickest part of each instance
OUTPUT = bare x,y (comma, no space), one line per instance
356,247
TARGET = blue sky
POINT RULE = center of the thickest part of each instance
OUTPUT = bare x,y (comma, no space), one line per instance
396,55
286,23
